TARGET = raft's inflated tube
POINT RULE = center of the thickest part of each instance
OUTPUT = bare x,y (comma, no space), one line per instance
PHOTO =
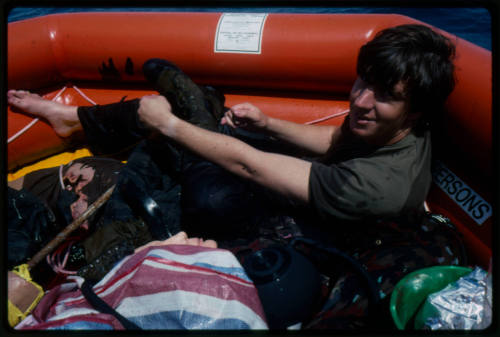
299,52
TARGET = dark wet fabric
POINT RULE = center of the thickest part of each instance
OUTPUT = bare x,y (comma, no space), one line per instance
193,195
120,224
214,202
31,225
217,204
112,128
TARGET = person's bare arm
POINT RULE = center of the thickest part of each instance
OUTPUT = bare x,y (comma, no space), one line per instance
315,139
284,174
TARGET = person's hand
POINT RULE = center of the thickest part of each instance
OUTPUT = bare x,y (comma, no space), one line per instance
156,112
180,238
246,116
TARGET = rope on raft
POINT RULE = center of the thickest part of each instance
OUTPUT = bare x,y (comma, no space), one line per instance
337,114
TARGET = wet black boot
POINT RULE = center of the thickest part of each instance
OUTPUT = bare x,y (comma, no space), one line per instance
186,98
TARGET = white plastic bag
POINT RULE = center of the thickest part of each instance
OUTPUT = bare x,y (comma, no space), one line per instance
462,305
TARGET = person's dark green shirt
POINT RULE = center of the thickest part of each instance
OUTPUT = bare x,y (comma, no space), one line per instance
358,183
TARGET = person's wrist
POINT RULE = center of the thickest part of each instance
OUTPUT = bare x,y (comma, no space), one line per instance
268,123
170,125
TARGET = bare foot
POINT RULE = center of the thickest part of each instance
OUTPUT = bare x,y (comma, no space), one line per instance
63,118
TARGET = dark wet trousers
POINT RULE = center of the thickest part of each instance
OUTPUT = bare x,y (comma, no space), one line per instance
194,195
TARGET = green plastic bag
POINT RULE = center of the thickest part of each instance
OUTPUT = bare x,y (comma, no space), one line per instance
411,293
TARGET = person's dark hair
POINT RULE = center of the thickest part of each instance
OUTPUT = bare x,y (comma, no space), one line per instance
416,55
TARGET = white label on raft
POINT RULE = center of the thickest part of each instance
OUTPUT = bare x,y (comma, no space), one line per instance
472,204
240,33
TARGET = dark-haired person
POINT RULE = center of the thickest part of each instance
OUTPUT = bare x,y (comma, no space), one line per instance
375,167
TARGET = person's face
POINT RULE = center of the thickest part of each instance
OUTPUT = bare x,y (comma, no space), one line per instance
378,118
78,176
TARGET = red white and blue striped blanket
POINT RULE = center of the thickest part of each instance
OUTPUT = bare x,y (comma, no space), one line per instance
165,287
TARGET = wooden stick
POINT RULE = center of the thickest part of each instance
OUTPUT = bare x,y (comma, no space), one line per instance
49,247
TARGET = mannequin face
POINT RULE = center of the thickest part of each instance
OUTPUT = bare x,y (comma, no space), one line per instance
77,176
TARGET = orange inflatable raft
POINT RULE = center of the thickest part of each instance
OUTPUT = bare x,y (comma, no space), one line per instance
294,66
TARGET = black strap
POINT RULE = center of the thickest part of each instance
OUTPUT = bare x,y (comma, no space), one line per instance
97,303
374,290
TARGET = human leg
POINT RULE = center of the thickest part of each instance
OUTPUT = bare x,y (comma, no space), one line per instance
107,128
115,127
